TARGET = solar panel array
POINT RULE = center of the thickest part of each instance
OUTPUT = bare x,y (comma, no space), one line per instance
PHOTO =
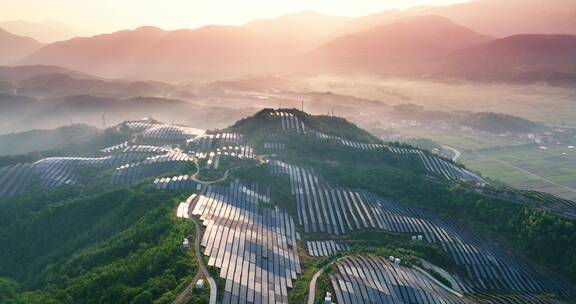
290,121
207,142
448,170
165,132
349,143
176,182
115,147
253,246
432,163
274,146
15,179
505,298
325,248
145,149
373,280
326,208
154,165
54,171
553,203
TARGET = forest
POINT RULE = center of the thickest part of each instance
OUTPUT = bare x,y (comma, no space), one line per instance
69,245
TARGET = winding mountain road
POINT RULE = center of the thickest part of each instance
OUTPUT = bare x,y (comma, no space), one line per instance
203,270
312,289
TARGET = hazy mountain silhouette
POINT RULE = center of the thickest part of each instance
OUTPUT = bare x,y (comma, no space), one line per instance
521,58
499,18
45,32
304,30
416,40
210,46
13,47
397,42
19,73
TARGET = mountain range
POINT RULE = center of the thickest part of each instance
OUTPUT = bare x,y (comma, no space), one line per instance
15,47
520,57
463,40
45,32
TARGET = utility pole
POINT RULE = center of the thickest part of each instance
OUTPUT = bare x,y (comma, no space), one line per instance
332,111
103,121
302,105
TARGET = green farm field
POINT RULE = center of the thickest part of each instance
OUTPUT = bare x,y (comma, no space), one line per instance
512,161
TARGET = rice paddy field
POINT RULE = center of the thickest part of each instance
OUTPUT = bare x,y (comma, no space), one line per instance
548,167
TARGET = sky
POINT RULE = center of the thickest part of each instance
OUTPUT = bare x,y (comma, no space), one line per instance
96,16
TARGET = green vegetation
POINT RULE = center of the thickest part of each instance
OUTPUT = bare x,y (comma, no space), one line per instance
44,140
200,296
280,185
324,285
499,123
25,158
385,244
365,242
553,165
536,234
299,292
117,246
8,289
438,277
262,125
340,127
504,158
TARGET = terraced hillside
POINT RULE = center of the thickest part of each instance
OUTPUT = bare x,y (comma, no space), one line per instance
279,205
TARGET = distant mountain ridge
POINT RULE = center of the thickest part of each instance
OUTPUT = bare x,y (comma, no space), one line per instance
520,58
499,123
417,42
45,32
14,47
419,37
499,18
411,47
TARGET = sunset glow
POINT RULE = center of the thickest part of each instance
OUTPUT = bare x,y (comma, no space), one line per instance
108,15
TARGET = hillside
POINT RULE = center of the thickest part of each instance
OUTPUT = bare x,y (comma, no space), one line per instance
412,112
520,58
265,124
26,113
15,47
498,18
107,228
20,73
14,107
150,47
43,140
414,41
116,246
45,32
499,123
301,31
